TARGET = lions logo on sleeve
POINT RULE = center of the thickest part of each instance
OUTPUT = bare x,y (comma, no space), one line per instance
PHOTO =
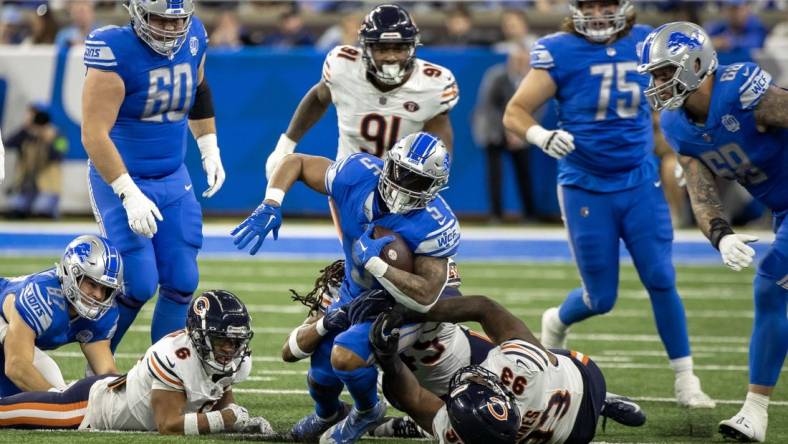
33,306
371,120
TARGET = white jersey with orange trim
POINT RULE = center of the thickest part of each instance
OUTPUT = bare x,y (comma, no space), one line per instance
371,120
170,364
548,395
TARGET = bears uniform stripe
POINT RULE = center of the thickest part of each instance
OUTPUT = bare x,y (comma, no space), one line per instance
43,414
518,349
536,350
579,357
164,366
156,372
523,354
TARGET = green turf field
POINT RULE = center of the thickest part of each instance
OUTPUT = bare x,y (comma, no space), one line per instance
624,343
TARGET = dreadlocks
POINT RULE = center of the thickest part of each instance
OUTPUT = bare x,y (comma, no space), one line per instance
330,276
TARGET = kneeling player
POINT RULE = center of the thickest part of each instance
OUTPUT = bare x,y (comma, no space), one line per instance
183,384
520,393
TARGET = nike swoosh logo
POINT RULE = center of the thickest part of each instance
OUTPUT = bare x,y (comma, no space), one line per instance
172,364
658,183
361,245
187,187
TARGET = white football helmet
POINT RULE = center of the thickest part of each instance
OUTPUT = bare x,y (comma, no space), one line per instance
90,257
415,170
165,42
600,28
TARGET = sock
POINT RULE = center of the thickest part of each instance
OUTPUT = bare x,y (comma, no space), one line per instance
169,314
756,403
574,308
127,312
362,385
682,365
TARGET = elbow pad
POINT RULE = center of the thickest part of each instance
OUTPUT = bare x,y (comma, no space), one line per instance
203,103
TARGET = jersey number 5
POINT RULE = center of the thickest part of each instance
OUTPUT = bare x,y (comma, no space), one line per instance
375,128
620,70
169,93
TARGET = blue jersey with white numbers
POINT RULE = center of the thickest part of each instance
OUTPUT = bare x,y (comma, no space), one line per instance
730,144
150,131
352,184
42,306
601,103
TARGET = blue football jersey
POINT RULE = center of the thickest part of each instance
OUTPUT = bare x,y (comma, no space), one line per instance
352,184
150,131
41,304
601,103
730,143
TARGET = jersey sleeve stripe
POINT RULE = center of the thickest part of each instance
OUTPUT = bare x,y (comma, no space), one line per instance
95,42
512,348
536,350
163,366
534,361
752,77
156,372
450,85
579,356
44,303
36,324
527,348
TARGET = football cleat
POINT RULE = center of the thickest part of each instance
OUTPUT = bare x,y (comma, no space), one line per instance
689,393
355,425
553,330
623,410
310,427
744,427
399,427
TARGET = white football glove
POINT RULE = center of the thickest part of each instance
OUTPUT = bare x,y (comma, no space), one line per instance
678,173
140,211
735,252
259,426
284,147
556,143
241,417
211,163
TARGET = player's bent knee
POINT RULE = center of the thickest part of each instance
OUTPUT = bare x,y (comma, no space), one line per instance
343,359
175,296
141,287
602,305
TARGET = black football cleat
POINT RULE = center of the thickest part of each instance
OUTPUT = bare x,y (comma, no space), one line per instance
623,411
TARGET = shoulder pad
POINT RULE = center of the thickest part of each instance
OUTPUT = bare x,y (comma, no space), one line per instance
339,61
103,48
544,50
166,359
525,354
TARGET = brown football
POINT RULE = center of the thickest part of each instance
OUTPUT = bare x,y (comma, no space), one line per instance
396,253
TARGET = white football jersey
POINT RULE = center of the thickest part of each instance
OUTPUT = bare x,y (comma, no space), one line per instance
371,120
171,364
547,395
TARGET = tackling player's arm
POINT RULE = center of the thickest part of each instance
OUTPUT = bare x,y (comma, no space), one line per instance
99,357
773,108
19,349
202,122
440,126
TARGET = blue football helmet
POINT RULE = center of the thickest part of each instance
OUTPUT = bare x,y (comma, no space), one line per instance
90,257
388,24
220,329
415,170
481,409
164,41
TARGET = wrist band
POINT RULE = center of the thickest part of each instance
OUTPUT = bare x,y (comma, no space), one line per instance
719,228
190,424
376,267
295,350
215,421
320,327
285,144
275,194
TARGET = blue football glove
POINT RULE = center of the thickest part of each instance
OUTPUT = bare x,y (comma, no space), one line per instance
336,321
365,248
368,305
263,220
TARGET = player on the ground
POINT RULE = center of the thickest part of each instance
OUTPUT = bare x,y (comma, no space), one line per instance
144,82
381,91
520,393
72,302
609,189
731,122
183,384
401,194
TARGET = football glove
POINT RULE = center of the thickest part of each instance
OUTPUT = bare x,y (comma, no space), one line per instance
211,164
140,211
735,252
258,425
384,335
368,305
264,219
284,147
336,321
365,248
555,143
241,417
678,173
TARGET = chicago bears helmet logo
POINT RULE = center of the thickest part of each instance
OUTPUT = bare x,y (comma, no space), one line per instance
678,41
201,305
498,408
411,106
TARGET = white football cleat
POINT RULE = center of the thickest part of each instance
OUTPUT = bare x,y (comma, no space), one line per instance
553,330
745,427
689,393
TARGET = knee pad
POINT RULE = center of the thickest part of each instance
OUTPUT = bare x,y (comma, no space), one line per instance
659,275
175,296
140,286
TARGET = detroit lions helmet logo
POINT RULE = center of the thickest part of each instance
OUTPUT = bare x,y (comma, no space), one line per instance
678,42
82,250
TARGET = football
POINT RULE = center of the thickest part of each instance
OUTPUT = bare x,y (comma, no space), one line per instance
397,253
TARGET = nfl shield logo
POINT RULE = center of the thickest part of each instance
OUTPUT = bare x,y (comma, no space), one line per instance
193,45
730,123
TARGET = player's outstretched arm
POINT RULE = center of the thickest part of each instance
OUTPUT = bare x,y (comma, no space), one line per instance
19,350
100,357
304,339
707,207
440,126
773,108
309,111
202,122
168,406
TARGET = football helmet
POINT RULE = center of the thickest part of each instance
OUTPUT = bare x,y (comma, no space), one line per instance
220,329
481,409
388,24
593,27
414,171
163,41
684,46
90,257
